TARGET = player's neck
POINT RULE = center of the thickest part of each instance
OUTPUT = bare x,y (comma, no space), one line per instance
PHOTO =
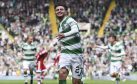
29,42
114,43
61,18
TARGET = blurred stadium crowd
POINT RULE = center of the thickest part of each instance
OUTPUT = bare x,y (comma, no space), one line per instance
20,17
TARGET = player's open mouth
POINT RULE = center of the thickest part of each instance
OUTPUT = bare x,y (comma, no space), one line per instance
59,14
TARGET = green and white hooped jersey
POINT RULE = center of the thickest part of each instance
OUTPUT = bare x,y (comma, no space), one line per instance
29,51
70,44
117,52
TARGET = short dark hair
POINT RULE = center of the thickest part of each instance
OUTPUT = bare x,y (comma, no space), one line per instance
61,4
113,36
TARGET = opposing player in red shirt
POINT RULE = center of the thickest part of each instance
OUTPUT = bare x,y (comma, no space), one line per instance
40,67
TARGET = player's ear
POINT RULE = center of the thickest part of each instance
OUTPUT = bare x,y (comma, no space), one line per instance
26,39
66,12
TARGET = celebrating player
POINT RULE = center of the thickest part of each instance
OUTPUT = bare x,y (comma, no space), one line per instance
117,54
29,49
71,49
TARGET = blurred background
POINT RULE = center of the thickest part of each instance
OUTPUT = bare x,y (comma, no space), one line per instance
96,18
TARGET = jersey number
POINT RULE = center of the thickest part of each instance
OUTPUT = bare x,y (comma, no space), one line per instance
78,70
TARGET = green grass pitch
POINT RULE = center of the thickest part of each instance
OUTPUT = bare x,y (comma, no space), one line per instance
68,82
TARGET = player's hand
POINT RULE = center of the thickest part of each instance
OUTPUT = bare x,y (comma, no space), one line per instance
123,59
95,46
21,58
61,35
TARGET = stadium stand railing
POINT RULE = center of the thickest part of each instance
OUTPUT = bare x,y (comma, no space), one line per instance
108,13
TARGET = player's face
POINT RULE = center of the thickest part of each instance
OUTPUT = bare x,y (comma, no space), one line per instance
111,39
30,39
60,11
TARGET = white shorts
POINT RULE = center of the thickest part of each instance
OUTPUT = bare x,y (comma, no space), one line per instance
115,67
26,64
73,62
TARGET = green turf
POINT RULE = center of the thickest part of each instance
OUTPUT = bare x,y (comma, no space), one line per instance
68,82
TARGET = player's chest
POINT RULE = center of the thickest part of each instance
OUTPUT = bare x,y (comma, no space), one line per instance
64,27
29,47
114,48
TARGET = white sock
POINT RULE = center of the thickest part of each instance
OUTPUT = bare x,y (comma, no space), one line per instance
39,81
26,78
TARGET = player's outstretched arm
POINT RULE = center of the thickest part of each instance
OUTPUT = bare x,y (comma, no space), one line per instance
102,47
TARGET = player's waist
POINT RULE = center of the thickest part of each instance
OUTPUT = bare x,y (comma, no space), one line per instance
24,59
72,51
116,61
71,55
